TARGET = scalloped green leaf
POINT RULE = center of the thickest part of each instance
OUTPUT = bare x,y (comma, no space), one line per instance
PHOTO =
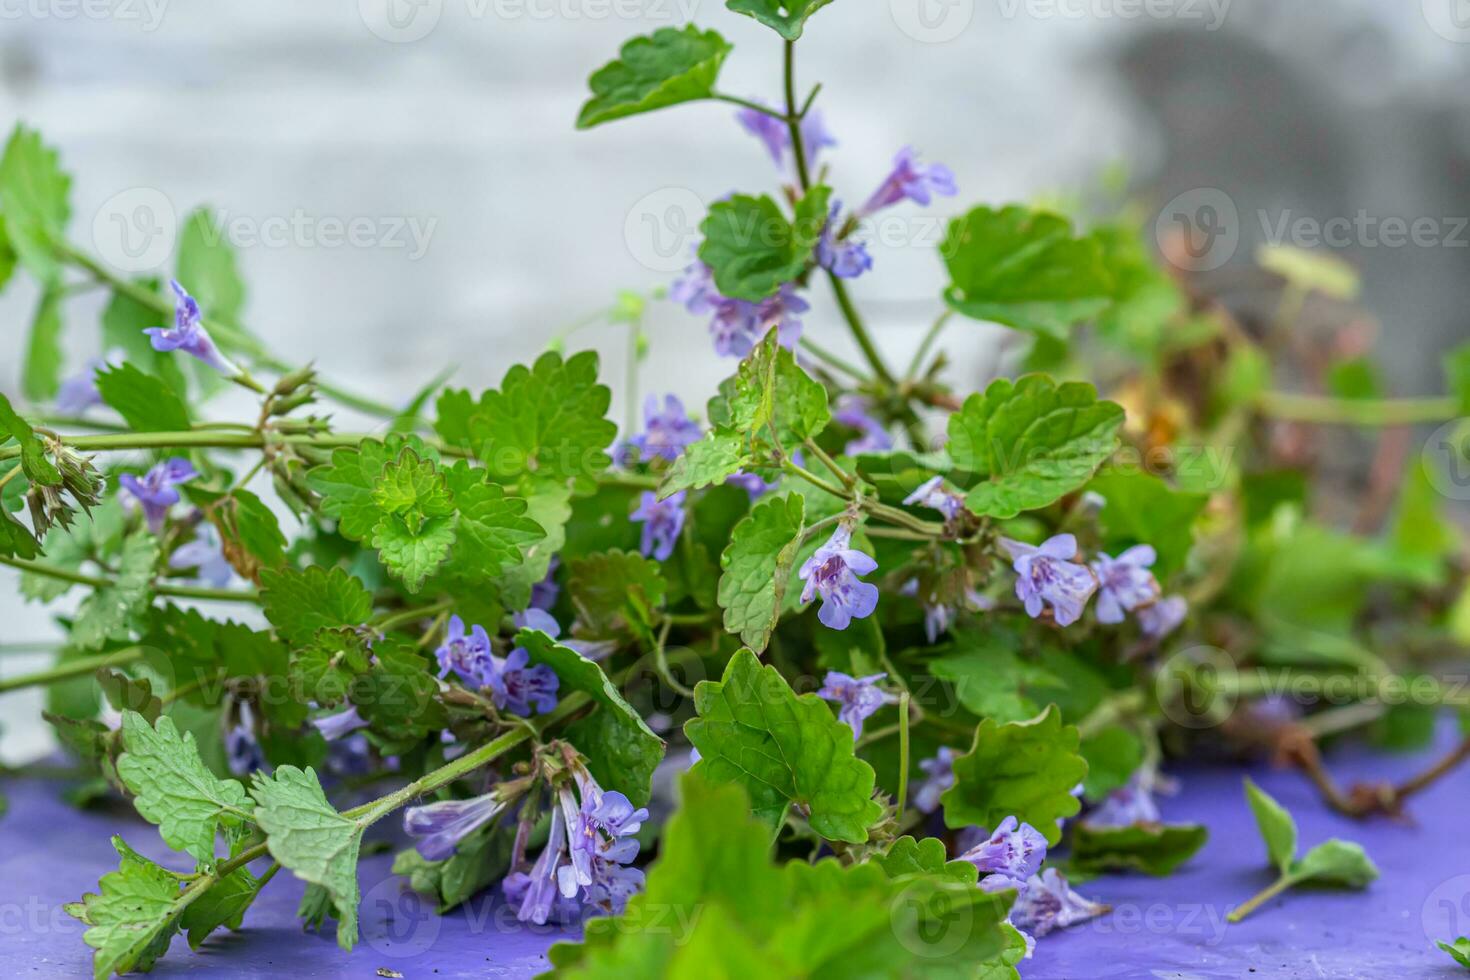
653,72
1156,850
753,249
300,603
783,749
132,917
756,567
786,17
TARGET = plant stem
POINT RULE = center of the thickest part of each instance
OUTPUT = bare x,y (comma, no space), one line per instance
99,582
917,364
903,751
1241,911
81,667
1354,411
14,472
793,120
747,104
395,620
832,360
847,478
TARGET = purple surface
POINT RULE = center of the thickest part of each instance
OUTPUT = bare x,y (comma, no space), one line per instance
1161,928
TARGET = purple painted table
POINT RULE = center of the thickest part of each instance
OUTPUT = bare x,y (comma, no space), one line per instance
1169,928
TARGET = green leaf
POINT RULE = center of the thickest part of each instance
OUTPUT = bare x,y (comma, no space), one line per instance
1277,827
1310,271
1024,269
494,532
223,905
754,730
1021,769
1335,862
318,844
34,198
132,917
44,358
7,256
1457,376
907,856
16,540
325,669
621,750
300,603
662,69
1154,850
1031,442
173,788
413,554
208,269
771,391
987,676
728,909
1145,297
1112,756
1143,509
347,485
34,463
128,694
399,696
1459,950
147,403
707,463
752,249
756,567
249,533
615,591
785,17
110,610
545,424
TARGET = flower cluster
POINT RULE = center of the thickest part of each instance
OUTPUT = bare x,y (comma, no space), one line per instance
859,697
515,685
1049,575
737,325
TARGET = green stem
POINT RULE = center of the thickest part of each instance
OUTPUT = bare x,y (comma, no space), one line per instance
1265,895
14,472
99,582
832,360
793,121
1357,411
81,667
395,620
747,104
847,478
903,751
917,364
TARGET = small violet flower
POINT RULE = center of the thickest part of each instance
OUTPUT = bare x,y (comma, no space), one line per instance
841,256
667,431
738,326
1128,805
752,483
243,753
860,697
662,522
1124,583
441,826
1048,902
206,556
467,655
545,592
936,496
776,134
1159,619
853,412
157,491
1011,855
188,334
79,392
524,690
832,572
339,725
1046,575
938,777
911,181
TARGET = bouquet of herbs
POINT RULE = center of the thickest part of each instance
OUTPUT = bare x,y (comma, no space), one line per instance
922,651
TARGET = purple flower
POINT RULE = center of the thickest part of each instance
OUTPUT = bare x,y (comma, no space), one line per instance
936,496
467,655
666,432
1124,583
738,326
243,753
776,134
843,257
695,289
1048,902
1047,575
544,592
157,491
1128,805
340,724
441,826
912,181
859,697
1014,852
206,556
538,894
815,136
522,689
188,334
1159,619
853,412
752,483
662,521
938,777
832,572
79,392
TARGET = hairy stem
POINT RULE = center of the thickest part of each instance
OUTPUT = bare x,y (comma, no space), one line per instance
100,582
1264,896
81,667
1353,411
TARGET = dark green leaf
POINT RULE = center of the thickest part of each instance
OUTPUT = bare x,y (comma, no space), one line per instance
1143,509
751,247
756,568
785,17
37,467
44,358
300,603
662,69
147,403
1155,850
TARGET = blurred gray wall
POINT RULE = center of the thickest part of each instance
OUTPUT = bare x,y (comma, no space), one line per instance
455,117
